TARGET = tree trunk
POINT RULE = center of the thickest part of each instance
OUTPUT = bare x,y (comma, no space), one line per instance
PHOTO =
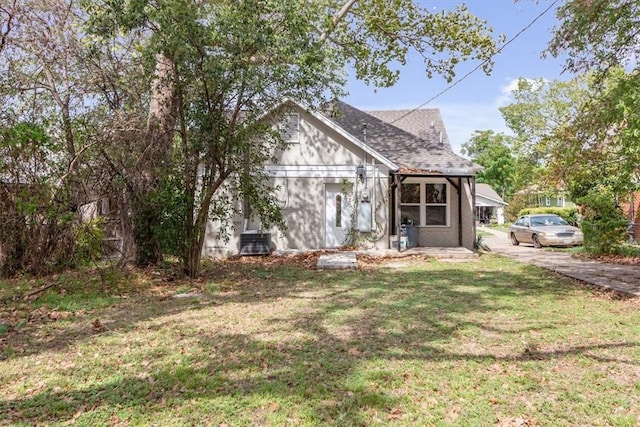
198,228
157,155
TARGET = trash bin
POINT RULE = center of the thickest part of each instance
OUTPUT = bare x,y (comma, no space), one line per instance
411,233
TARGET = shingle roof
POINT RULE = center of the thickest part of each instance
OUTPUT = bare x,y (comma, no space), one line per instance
411,141
423,123
487,191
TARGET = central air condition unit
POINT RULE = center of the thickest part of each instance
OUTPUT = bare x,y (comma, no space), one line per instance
255,242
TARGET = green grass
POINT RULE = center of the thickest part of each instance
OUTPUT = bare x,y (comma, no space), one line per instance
629,250
411,342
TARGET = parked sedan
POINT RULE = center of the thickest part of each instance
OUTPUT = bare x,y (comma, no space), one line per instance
544,230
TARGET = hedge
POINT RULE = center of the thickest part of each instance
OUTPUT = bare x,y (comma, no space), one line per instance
568,214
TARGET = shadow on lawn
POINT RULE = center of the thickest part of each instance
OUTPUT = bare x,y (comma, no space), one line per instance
396,315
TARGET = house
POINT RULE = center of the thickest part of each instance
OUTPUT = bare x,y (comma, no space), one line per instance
489,205
378,180
630,207
536,196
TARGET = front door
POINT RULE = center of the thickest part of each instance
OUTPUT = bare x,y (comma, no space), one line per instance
337,219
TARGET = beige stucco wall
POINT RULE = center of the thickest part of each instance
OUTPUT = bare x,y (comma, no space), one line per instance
319,144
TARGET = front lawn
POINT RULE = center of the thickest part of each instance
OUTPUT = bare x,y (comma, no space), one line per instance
264,341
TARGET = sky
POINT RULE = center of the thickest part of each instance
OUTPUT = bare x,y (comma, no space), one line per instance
472,104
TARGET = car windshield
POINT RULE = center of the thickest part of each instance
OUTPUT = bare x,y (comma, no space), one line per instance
547,220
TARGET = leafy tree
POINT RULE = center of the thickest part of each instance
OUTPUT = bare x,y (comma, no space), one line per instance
597,35
44,133
493,152
539,110
218,66
602,138
601,37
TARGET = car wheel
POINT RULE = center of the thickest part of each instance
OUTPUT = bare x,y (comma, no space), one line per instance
536,241
514,240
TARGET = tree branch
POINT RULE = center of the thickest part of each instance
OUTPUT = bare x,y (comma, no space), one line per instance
336,20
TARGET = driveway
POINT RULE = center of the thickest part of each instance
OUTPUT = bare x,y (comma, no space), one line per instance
622,278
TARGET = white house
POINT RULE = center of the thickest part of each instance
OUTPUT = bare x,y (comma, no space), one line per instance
350,176
489,205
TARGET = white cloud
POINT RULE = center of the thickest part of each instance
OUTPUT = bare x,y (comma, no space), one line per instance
506,93
462,120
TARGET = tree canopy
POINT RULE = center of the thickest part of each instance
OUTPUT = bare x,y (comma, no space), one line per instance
597,35
494,153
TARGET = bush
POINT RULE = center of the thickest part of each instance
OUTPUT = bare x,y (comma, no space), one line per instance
89,241
36,236
568,214
604,224
516,204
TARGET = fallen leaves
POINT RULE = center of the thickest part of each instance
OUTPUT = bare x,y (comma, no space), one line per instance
518,422
395,414
97,326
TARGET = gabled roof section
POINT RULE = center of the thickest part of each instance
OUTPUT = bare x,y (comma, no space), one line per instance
401,141
486,191
333,124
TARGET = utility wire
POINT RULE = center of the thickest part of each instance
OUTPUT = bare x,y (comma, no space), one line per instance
455,83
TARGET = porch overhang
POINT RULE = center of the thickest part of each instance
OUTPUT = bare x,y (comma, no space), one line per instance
454,176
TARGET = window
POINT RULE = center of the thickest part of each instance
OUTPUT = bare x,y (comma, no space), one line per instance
290,128
436,204
424,203
338,211
410,204
561,201
547,201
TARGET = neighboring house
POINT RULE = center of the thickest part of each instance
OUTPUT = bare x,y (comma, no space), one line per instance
630,209
351,177
536,196
489,205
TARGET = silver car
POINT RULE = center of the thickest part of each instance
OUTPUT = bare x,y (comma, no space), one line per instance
544,230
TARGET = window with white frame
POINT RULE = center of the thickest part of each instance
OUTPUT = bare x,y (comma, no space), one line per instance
290,128
561,201
547,201
425,203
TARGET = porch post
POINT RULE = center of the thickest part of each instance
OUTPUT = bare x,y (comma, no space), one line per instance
460,211
473,212
398,213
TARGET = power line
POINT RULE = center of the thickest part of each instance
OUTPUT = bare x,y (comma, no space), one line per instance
455,83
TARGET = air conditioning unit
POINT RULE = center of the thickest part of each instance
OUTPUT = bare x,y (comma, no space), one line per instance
255,242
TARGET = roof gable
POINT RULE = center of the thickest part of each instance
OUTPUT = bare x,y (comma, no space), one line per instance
345,133
486,191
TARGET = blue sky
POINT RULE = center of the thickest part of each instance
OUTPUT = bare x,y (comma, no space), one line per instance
473,103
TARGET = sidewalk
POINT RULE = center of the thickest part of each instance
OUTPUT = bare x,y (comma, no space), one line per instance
621,278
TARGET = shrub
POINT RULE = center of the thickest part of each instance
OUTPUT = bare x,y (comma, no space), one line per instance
89,241
604,224
516,204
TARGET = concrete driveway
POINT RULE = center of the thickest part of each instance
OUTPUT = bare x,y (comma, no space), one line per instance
622,278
